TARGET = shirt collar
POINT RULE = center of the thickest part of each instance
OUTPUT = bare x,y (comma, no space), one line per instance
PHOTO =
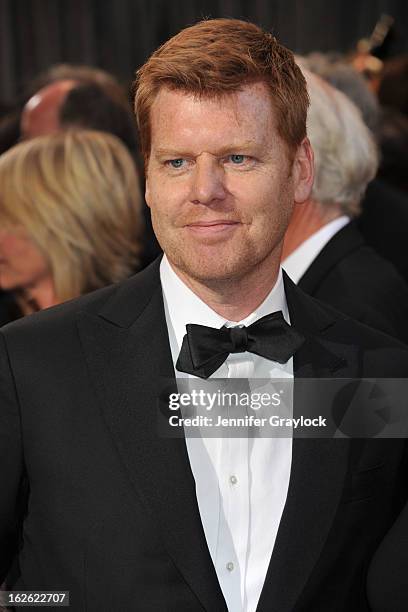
183,306
299,261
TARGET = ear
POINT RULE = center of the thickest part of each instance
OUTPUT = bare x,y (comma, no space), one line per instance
303,171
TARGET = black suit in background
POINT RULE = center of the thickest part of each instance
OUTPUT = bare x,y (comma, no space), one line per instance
353,278
384,223
112,510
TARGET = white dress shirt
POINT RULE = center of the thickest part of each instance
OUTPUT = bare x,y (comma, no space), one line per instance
296,264
241,483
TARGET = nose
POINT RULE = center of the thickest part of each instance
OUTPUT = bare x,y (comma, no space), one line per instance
207,180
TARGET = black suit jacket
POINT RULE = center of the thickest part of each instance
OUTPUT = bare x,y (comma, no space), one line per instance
350,276
112,513
384,222
387,576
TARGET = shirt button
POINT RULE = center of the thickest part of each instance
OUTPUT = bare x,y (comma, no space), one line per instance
233,480
230,566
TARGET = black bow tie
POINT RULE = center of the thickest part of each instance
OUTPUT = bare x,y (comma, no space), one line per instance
205,349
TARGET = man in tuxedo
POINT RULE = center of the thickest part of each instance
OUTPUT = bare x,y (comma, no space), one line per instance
324,252
95,499
384,211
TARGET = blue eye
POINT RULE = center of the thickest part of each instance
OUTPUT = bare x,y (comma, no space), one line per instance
176,163
237,159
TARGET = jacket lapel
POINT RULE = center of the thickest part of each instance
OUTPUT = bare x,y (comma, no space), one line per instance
128,355
318,465
348,239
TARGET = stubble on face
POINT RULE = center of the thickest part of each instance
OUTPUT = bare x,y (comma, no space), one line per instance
254,202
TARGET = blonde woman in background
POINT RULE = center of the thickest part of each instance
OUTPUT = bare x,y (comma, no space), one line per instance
70,219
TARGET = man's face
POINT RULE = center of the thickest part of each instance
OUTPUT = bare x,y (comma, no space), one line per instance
219,183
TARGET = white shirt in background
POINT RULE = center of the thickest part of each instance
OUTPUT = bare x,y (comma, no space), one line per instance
296,264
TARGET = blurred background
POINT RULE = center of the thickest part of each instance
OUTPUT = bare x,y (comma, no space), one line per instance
118,35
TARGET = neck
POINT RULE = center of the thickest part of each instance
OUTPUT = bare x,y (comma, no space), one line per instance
306,220
235,299
38,296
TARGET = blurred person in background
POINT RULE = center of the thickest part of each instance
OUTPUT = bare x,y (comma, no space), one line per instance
90,105
334,69
383,220
68,102
10,132
70,219
83,74
80,96
324,252
386,117
393,140
393,89
41,114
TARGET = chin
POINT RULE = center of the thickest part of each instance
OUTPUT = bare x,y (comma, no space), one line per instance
215,270
229,262
8,285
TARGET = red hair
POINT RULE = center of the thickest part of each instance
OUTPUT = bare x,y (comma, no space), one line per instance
216,57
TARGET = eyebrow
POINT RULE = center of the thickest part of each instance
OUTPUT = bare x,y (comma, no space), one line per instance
233,148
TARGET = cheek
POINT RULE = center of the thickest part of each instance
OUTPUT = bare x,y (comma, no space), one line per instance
155,193
21,253
13,246
166,199
272,207
37,258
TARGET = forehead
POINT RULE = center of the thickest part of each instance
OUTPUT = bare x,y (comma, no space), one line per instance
183,119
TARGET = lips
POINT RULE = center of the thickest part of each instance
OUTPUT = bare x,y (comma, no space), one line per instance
213,223
212,227
218,229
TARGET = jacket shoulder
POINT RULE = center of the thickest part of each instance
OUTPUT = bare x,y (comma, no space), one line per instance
62,314
319,318
121,302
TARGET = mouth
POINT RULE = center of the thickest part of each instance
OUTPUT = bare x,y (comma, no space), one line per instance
209,228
